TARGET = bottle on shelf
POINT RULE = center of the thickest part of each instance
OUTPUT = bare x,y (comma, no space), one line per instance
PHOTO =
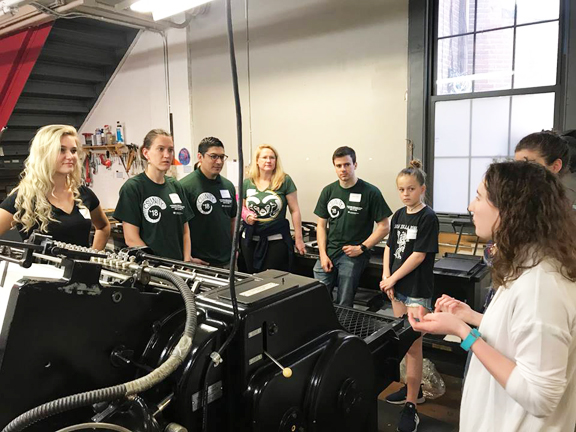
119,133
110,140
97,137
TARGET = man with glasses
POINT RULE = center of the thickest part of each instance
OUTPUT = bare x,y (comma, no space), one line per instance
213,201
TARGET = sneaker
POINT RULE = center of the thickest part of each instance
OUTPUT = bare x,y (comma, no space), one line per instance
399,397
408,418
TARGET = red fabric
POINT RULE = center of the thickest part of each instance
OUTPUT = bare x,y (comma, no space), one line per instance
18,54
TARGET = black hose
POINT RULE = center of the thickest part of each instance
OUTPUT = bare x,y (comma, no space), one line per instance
237,223
111,393
187,295
232,280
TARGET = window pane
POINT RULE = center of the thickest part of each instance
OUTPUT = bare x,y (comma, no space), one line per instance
454,64
478,168
494,54
530,113
490,119
451,185
452,128
536,55
537,10
455,17
494,14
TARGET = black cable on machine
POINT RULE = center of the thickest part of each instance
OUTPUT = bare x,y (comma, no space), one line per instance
235,239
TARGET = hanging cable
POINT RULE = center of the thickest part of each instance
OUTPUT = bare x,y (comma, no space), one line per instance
216,358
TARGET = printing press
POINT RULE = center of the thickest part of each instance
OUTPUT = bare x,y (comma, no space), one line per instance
148,335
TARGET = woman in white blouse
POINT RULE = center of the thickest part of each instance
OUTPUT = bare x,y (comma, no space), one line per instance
522,376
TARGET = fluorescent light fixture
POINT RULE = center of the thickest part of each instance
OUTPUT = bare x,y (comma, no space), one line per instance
166,8
142,6
162,9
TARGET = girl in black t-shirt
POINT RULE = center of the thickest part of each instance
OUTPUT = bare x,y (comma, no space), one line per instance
50,197
408,277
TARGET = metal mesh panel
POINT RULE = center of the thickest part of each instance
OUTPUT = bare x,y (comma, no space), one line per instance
359,323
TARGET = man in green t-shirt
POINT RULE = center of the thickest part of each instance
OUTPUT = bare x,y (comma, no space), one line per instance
213,201
347,210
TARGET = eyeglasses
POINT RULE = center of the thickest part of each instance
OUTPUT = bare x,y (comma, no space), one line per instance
215,156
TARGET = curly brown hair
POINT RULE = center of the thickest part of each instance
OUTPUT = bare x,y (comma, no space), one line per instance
536,220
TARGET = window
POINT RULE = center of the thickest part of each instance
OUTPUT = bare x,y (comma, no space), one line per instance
495,80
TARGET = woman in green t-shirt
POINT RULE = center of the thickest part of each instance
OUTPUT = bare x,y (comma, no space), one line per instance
153,207
268,191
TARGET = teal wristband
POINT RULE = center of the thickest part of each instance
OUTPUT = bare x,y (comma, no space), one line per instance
470,339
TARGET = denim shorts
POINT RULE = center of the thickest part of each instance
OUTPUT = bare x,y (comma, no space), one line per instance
413,301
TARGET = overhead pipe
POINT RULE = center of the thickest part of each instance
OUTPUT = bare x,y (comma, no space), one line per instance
86,9
11,6
37,18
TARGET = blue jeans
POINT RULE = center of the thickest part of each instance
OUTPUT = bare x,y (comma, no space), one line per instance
345,275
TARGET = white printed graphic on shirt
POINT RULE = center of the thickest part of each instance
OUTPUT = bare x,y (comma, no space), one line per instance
335,207
405,234
269,208
150,209
205,202
225,193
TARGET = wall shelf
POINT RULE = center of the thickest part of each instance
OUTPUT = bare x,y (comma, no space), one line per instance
114,147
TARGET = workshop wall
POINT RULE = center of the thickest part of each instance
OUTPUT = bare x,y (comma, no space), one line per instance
314,75
322,74
136,96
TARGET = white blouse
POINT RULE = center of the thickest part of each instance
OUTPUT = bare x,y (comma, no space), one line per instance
533,323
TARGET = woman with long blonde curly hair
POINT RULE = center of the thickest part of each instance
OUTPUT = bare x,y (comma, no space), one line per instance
50,197
268,192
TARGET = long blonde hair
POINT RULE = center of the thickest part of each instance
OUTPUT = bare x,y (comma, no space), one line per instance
278,176
36,184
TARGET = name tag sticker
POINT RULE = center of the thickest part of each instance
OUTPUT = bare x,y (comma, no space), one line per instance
250,192
175,198
355,197
225,193
85,212
412,233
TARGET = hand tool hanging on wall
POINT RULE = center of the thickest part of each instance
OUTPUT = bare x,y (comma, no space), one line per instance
87,177
131,158
105,161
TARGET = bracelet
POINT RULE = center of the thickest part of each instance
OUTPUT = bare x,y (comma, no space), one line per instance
470,339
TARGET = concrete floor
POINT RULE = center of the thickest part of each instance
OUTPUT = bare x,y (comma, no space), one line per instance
438,415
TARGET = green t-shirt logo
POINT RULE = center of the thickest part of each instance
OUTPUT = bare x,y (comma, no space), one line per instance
151,213
205,202
335,207
269,208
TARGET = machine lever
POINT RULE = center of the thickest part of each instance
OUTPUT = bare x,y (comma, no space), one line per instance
287,372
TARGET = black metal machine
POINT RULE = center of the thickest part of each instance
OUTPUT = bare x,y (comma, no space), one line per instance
296,363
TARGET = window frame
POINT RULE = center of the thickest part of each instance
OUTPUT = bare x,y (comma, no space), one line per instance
422,66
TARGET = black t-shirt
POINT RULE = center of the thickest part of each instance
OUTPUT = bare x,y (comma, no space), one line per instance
73,227
417,232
